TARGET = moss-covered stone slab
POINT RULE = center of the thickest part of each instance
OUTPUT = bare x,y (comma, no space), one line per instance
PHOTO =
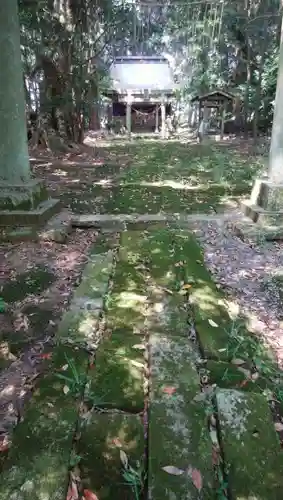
95,276
220,337
99,447
167,314
178,433
38,461
79,326
118,377
128,302
228,375
252,452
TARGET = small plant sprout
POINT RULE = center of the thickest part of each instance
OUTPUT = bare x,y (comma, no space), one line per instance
134,477
75,383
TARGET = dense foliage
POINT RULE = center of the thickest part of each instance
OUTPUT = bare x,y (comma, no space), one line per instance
68,45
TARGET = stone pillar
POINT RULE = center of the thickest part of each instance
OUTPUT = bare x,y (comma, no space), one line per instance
129,114
156,118
14,157
163,118
266,202
18,190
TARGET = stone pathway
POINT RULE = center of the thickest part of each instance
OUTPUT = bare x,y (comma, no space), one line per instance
136,404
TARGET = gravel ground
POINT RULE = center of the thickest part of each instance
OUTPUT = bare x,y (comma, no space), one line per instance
245,273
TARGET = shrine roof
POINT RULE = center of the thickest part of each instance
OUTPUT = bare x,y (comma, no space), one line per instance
215,95
152,73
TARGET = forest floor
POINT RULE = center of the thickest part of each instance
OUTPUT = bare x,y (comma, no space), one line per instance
162,361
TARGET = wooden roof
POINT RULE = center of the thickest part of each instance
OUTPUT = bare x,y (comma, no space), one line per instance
214,96
138,73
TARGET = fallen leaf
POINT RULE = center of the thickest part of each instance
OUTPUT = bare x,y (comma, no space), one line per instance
72,493
124,458
237,361
213,436
66,389
196,479
139,346
215,456
243,383
89,495
212,323
4,444
174,471
187,286
117,442
169,390
278,426
45,355
246,372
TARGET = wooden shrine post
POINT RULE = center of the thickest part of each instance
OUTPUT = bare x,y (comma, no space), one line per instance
129,113
163,118
156,118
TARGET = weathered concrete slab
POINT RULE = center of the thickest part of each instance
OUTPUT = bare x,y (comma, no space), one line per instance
258,232
178,434
118,378
79,324
102,439
57,228
251,447
30,217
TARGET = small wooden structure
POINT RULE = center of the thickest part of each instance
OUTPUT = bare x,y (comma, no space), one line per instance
141,86
218,99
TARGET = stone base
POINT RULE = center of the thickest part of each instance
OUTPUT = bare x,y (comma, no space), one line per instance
256,233
263,213
25,196
258,214
56,229
35,217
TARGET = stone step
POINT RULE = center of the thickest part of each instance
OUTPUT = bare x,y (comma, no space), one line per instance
178,431
106,220
30,217
79,324
57,228
103,437
37,465
252,453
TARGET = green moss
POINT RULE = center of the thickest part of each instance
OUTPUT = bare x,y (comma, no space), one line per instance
227,375
95,276
118,377
251,446
104,243
33,282
99,447
220,336
37,464
78,326
178,432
